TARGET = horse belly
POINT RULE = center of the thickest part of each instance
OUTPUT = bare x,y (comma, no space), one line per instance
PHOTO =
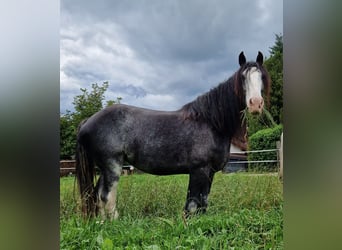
167,170
161,166
160,160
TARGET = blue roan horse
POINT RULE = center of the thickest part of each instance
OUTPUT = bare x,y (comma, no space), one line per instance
193,140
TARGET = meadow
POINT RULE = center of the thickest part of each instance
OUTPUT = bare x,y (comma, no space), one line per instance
245,211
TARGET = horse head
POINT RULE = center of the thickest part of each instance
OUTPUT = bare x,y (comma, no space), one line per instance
252,80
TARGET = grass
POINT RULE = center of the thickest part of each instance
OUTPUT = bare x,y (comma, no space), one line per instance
244,212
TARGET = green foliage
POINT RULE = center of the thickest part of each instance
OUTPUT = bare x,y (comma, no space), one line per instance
67,136
244,212
112,102
258,122
264,139
86,104
274,66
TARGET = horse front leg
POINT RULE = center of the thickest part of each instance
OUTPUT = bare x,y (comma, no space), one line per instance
198,190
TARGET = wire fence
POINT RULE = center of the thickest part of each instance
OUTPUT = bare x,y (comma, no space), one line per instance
255,151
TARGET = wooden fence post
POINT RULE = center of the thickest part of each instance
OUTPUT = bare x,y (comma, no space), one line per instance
281,158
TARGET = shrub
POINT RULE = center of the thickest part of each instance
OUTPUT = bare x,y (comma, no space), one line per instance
264,139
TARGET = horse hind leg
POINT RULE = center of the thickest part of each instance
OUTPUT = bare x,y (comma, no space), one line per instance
107,190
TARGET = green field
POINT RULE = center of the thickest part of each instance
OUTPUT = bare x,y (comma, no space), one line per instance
245,211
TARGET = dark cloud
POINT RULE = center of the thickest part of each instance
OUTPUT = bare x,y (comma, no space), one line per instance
128,89
173,48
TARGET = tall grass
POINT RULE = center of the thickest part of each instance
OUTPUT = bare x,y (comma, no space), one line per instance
244,211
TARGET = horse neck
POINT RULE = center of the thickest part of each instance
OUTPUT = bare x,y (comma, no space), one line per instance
220,108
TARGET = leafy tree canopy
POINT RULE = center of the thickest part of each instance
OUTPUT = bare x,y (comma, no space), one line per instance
86,104
274,65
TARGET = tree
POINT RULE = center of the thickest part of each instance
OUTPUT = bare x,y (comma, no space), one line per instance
111,102
67,136
274,65
86,104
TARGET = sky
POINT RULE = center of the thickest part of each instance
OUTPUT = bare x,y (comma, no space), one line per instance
160,54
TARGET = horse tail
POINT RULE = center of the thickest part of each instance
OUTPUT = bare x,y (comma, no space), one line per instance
85,176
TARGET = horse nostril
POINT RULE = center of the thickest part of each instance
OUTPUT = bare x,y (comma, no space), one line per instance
251,101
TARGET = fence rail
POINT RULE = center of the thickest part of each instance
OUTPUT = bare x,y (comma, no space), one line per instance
68,170
68,167
265,161
255,151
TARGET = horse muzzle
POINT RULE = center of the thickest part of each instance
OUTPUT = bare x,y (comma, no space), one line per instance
255,105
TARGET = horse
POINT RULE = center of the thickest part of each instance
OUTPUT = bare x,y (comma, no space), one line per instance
193,140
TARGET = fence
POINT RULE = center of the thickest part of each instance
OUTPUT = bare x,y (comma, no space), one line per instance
68,167
279,160
256,151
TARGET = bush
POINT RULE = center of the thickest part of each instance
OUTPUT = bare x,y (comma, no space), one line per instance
264,139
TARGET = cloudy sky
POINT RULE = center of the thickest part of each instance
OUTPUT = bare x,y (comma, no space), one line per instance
160,54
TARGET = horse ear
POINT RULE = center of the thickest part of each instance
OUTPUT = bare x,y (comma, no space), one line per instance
242,59
260,58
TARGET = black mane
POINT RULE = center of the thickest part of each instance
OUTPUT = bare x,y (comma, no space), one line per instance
220,107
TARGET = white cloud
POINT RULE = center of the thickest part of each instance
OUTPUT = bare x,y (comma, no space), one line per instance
159,102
